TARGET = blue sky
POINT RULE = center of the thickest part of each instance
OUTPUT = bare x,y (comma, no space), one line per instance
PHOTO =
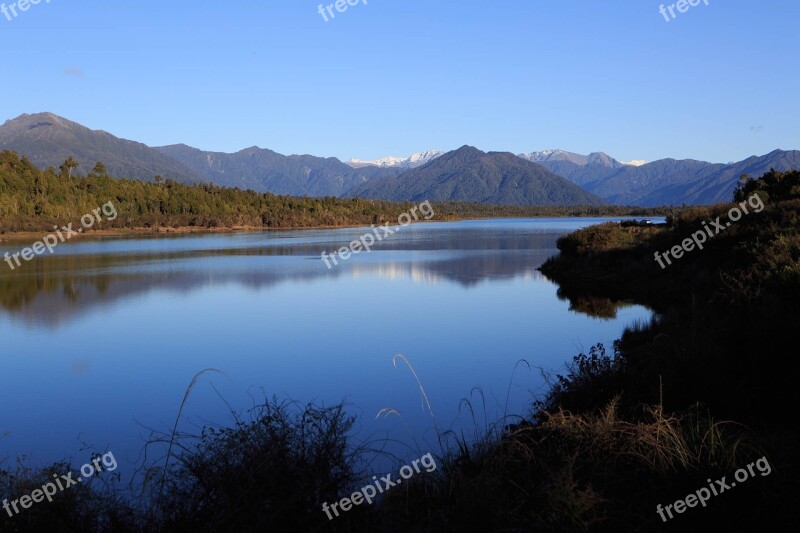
392,77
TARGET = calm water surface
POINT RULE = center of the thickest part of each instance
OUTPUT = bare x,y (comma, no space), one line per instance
100,341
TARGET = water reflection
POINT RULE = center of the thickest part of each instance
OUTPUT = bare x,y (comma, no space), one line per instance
52,290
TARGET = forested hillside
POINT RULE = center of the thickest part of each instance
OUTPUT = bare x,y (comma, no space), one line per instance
34,199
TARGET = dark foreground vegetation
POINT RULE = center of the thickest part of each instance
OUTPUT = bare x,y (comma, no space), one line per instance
702,390
35,200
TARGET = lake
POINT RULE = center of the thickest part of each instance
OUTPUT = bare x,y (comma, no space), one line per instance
101,339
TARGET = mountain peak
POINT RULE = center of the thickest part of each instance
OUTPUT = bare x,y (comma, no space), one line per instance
600,158
48,139
250,150
44,118
467,150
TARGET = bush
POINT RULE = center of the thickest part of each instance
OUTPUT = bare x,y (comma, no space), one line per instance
271,473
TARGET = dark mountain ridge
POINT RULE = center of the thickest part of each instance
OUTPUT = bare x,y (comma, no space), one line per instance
468,174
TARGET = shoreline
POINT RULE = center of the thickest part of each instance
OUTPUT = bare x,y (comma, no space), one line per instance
26,236
128,232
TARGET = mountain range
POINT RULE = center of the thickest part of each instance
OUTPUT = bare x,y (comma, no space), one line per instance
666,181
549,177
263,170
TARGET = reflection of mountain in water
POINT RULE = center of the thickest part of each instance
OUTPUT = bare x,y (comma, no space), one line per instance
467,269
51,290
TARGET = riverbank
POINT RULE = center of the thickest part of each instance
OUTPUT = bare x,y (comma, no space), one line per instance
728,313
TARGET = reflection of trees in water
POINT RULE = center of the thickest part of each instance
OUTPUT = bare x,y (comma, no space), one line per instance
597,307
591,301
52,289
40,301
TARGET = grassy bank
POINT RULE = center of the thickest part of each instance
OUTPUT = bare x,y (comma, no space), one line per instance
726,331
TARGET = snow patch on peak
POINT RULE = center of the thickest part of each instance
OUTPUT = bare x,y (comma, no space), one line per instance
424,157
555,155
412,161
541,155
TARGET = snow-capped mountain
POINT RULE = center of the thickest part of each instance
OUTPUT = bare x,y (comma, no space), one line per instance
555,155
552,156
413,161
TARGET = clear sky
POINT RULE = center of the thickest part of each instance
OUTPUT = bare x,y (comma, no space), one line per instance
392,77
